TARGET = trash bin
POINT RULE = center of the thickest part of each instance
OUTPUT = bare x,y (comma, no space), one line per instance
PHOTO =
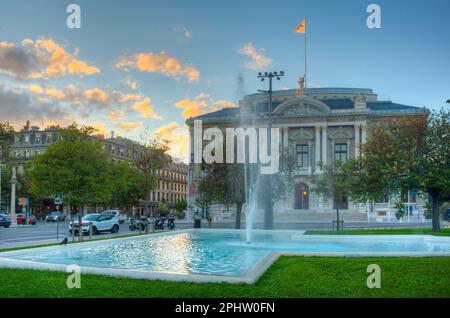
197,223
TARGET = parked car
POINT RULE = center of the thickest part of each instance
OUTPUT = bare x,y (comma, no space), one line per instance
55,216
22,218
119,214
5,220
100,223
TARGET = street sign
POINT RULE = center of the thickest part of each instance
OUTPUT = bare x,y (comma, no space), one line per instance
58,200
23,201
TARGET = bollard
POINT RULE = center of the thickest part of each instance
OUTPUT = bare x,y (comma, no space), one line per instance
146,226
90,230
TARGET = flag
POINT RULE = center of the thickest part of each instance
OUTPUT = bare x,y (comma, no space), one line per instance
301,28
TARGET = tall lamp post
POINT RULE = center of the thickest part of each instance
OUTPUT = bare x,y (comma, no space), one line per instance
268,213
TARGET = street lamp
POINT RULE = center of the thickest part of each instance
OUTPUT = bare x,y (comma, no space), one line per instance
268,215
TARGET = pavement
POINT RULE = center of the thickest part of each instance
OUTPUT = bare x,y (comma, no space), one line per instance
49,233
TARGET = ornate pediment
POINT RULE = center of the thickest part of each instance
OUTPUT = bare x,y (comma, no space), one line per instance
340,134
302,107
301,134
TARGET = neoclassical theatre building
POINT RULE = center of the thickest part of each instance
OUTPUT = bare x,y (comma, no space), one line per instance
316,124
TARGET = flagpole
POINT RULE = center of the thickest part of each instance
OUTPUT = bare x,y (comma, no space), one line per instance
306,31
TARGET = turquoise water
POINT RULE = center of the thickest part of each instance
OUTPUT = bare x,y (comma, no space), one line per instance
217,253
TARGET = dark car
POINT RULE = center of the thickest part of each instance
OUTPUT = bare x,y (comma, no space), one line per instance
55,216
5,220
22,219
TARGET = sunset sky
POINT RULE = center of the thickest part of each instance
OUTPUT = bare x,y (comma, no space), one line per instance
146,66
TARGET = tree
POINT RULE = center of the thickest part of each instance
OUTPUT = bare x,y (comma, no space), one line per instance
389,160
181,206
75,167
152,159
6,138
332,183
225,184
128,184
163,209
435,163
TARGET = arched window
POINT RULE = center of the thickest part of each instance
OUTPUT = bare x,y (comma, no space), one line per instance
301,196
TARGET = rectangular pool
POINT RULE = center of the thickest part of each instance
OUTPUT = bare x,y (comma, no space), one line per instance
214,255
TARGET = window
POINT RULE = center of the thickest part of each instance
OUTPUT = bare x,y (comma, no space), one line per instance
302,156
301,196
340,152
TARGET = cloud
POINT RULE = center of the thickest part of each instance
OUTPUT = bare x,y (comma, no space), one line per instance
130,126
131,83
145,109
160,63
258,60
17,107
116,115
96,95
184,34
177,136
201,104
224,103
43,58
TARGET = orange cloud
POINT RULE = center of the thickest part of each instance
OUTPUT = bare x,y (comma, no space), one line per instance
96,95
177,136
160,63
56,61
129,126
201,105
258,60
116,115
145,109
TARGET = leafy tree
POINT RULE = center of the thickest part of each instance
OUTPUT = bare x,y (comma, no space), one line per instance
6,138
332,183
76,167
163,209
225,184
128,184
181,207
435,163
389,160
152,159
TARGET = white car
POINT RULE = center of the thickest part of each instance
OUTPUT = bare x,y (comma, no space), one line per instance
100,223
119,214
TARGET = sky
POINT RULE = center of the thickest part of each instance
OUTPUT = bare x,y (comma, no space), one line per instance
142,67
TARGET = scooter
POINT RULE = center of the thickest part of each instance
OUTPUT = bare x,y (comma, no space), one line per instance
171,223
160,223
137,224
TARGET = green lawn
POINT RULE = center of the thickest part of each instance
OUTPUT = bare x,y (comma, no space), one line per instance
410,231
288,277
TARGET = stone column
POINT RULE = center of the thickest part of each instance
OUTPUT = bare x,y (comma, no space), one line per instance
324,145
317,141
13,197
357,140
363,134
285,138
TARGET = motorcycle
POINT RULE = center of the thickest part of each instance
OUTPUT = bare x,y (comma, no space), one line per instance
171,223
136,224
160,223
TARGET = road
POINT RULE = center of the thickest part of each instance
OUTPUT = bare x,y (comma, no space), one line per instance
44,233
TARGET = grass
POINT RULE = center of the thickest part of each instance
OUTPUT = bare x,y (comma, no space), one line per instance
410,231
291,276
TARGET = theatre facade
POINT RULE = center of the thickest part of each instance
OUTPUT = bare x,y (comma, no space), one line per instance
316,125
